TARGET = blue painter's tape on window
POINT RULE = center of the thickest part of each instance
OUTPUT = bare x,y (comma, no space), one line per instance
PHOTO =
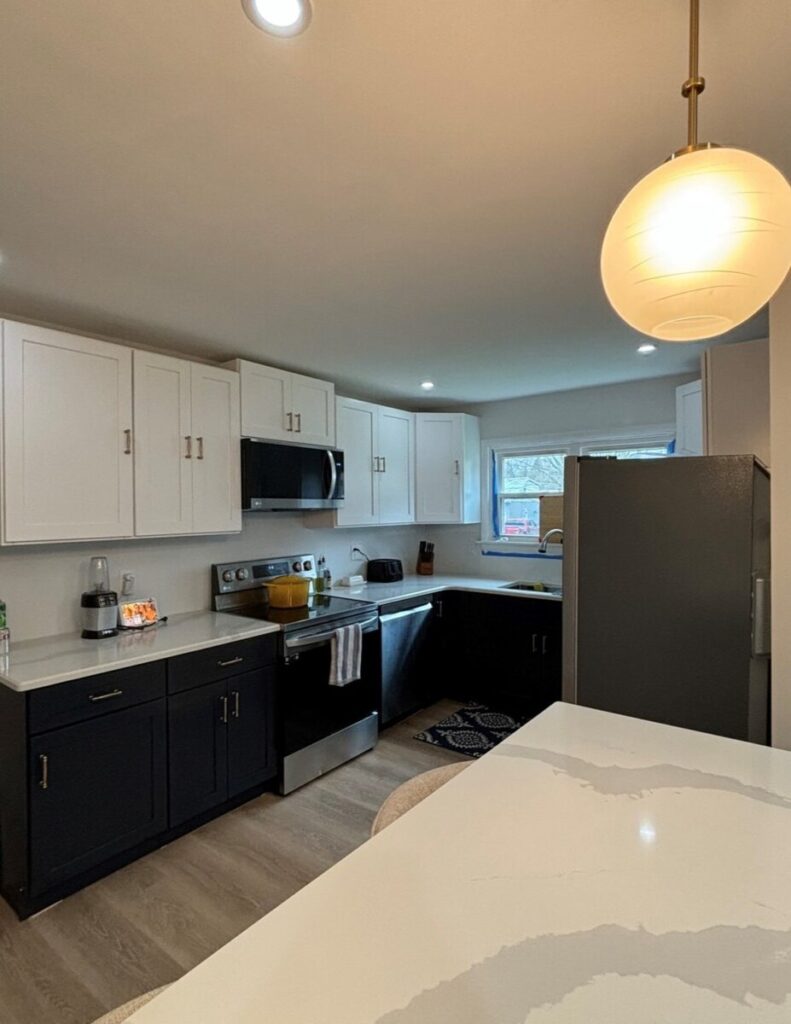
522,554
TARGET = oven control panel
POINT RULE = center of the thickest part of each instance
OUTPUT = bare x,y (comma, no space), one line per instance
229,577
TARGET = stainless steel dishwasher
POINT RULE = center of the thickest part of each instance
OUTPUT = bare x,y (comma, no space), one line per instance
406,661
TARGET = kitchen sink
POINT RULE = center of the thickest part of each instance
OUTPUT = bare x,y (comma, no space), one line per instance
536,588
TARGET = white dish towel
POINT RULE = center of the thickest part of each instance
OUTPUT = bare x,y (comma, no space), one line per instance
346,654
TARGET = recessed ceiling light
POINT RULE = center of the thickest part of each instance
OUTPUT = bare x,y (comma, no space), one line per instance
427,385
279,17
646,348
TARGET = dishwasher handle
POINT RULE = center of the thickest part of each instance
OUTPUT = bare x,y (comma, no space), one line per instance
392,616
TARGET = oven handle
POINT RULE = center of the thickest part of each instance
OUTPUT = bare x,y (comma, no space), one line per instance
315,638
333,474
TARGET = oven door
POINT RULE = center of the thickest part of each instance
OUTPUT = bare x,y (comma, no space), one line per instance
322,726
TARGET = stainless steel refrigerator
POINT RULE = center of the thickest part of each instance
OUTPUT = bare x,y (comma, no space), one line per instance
666,591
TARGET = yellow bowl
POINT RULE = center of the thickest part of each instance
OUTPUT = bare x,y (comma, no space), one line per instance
288,591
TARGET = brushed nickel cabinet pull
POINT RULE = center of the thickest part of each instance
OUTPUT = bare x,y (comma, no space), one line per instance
200,447
298,418
232,661
376,463
543,645
235,696
96,697
534,643
384,463
188,453
128,436
224,714
290,416
43,760
455,467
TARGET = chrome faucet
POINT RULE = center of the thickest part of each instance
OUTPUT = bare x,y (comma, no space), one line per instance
542,544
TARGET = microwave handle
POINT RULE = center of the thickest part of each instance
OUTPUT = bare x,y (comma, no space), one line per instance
333,474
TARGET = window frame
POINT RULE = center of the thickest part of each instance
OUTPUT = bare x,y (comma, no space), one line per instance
577,443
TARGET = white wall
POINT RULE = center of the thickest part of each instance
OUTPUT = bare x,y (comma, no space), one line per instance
634,404
42,585
780,419
586,411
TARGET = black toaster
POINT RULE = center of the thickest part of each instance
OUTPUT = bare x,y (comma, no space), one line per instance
385,570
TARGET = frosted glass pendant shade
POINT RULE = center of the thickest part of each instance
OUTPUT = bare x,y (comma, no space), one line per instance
699,245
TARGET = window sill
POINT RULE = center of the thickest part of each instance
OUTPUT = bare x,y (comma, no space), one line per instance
519,549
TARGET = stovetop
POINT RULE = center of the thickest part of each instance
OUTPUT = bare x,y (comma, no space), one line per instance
321,608
238,588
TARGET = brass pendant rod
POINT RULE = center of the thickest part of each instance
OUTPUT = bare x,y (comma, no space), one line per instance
695,84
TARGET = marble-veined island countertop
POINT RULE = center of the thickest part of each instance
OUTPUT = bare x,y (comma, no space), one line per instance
592,869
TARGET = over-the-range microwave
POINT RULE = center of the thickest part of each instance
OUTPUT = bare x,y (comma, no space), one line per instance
282,477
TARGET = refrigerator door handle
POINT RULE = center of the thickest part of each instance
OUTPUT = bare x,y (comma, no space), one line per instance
762,616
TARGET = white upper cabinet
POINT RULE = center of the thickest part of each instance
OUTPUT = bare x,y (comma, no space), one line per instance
282,406
163,423
448,468
736,399
378,445
358,437
216,458
396,450
187,465
313,405
67,445
689,418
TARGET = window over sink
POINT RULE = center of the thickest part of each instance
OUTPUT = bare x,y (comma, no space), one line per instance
525,480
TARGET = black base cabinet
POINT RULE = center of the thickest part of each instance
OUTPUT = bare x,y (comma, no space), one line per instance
98,771
97,788
499,649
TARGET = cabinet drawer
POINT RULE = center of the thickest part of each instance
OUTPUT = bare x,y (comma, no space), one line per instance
65,703
190,670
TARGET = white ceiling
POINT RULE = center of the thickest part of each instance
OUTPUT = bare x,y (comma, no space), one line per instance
413,188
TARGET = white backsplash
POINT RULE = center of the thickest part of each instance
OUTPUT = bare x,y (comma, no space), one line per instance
459,550
41,584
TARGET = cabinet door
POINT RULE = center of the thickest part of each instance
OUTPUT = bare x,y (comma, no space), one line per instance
251,752
163,467
68,440
266,402
216,458
358,436
551,652
96,789
313,406
198,741
439,467
396,449
689,418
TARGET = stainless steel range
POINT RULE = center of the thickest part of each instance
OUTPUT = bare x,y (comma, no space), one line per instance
319,726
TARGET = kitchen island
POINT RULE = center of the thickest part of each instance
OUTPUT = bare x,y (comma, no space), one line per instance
591,868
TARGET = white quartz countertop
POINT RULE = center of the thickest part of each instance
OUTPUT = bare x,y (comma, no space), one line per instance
592,868
56,659
417,586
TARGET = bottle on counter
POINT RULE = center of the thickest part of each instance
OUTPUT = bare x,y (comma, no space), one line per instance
318,583
327,578
5,636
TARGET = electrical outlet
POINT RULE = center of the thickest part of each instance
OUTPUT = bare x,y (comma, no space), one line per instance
357,555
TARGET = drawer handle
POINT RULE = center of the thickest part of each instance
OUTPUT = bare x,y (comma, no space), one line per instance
232,661
96,697
534,643
298,418
128,438
235,696
200,448
290,417
224,713
188,452
43,760
543,645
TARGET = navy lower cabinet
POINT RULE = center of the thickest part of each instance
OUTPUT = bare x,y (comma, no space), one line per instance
221,742
97,788
99,771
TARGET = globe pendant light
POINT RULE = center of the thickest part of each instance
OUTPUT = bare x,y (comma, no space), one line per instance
702,242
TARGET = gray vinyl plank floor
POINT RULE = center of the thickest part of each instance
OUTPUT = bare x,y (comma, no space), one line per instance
153,920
